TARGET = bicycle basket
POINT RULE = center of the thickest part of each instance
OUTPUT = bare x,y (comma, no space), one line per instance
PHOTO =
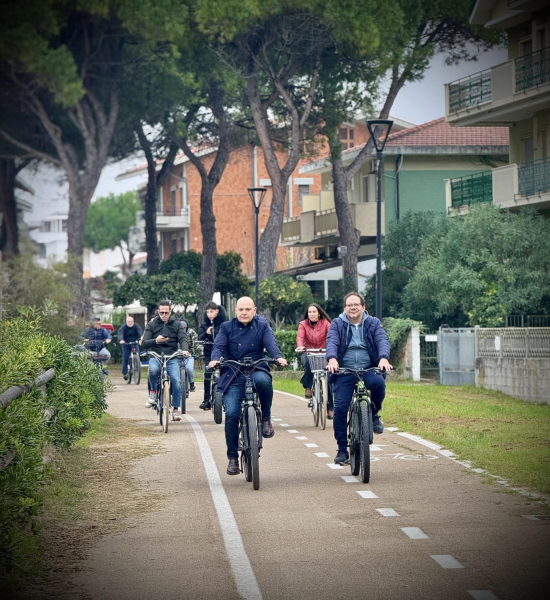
317,362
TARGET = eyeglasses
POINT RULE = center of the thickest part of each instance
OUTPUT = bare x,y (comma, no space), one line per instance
164,312
353,305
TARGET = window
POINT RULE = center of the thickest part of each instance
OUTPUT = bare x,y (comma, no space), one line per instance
174,242
525,47
42,250
173,201
541,39
302,190
47,226
527,149
344,134
64,224
347,137
365,188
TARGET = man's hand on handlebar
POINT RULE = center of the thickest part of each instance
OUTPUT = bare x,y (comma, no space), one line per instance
282,361
122,342
213,363
384,365
333,365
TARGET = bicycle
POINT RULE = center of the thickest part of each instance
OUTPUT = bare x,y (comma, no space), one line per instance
164,388
134,365
318,363
360,432
216,397
250,423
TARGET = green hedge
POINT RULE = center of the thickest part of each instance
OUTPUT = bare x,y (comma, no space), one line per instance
286,340
398,331
74,397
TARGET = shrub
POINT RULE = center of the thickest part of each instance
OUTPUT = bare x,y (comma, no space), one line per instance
286,340
398,331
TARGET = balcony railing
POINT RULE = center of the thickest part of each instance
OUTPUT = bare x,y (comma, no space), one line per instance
534,177
470,91
472,189
533,70
168,211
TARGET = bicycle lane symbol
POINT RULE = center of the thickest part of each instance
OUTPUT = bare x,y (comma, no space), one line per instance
401,456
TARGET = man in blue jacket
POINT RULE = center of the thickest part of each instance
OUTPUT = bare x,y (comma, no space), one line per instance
245,336
356,340
97,337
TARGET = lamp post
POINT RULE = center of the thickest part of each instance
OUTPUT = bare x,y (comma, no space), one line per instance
379,130
253,193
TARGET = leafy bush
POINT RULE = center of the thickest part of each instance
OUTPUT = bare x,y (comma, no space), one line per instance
398,331
74,397
284,296
286,340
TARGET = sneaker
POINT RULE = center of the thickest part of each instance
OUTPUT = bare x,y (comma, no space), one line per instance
205,405
152,400
125,376
377,425
176,415
192,387
342,457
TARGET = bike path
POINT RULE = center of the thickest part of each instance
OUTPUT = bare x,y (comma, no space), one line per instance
308,533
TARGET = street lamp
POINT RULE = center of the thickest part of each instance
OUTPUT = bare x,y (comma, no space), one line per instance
379,130
253,193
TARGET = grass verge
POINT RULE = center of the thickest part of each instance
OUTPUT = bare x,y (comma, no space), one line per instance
505,436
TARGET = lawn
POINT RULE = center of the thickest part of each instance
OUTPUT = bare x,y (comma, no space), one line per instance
505,436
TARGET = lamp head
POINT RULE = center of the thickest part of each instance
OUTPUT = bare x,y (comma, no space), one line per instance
379,130
254,193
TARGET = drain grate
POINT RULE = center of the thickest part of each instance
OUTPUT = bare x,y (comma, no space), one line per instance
537,517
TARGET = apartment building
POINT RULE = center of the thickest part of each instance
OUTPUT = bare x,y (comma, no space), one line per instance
514,94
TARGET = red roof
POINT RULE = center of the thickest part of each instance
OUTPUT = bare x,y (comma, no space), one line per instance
440,133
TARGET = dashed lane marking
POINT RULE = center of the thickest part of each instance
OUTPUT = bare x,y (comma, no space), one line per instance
482,595
311,445
446,561
301,437
321,454
284,424
392,428
415,533
243,574
292,431
334,466
366,494
388,512
350,479
276,419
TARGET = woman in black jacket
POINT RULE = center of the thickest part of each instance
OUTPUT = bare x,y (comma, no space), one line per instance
214,316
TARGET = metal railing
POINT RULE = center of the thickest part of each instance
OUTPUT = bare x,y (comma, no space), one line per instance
533,70
326,222
534,177
472,189
528,321
173,212
291,229
512,342
470,91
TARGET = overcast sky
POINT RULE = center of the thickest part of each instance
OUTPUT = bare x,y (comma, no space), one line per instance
417,102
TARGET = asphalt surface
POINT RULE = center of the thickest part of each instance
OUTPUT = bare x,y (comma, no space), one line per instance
425,527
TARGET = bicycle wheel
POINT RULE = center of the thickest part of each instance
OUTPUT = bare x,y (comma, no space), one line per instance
322,385
364,448
166,408
160,402
184,392
245,442
354,454
315,400
129,373
217,401
137,369
254,447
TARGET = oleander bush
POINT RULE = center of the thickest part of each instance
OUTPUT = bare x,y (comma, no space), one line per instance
33,422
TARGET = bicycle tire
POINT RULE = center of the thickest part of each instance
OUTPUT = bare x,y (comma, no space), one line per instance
354,458
364,449
137,370
323,402
183,380
160,402
217,401
247,467
166,407
315,400
254,447
129,373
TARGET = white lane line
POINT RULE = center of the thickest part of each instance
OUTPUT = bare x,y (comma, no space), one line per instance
284,424
392,428
482,595
366,494
479,471
447,561
415,533
276,419
447,453
292,431
321,454
311,445
388,512
334,466
350,479
301,437
377,447
243,574
420,440
291,395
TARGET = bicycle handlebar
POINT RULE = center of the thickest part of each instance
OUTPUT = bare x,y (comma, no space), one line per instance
309,350
359,372
269,361
165,357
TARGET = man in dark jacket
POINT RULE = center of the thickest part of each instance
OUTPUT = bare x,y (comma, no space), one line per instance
128,334
356,340
163,334
245,336
97,337
214,316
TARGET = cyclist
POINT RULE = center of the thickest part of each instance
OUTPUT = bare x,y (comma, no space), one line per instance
163,334
97,337
245,336
214,316
356,341
189,362
312,333
128,334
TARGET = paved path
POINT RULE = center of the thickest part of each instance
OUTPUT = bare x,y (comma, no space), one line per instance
424,528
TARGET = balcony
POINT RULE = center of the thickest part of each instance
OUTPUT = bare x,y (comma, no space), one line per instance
173,219
507,93
511,187
320,227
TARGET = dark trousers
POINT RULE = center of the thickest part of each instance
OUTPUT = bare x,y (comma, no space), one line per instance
207,383
232,400
343,386
307,381
126,351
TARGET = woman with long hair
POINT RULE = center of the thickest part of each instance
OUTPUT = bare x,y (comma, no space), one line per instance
312,333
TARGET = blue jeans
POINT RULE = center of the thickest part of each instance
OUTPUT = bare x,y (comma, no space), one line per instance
126,351
173,368
343,386
232,399
190,368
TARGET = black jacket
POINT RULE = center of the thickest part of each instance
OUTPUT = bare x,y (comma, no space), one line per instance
130,334
221,317
173,330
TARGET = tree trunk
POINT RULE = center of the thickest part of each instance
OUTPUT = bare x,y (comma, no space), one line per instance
209,244
269,239
9,232
151,244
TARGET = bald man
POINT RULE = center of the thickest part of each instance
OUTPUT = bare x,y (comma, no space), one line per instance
244,336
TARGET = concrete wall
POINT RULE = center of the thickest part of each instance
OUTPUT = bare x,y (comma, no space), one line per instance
409,361
525,378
